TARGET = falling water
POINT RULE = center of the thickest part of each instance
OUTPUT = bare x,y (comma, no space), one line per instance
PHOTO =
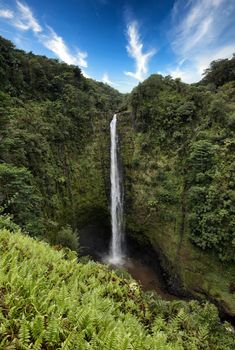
116,253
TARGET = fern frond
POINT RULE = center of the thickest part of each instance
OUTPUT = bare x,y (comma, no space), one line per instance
52,331
37,326
24,332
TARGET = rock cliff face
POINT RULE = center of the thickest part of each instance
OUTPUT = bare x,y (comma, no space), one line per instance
158,207
54,149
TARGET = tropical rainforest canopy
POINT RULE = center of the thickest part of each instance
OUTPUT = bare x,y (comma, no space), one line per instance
177,147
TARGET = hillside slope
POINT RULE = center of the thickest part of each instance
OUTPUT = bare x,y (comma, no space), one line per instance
54,150
49,301
177,146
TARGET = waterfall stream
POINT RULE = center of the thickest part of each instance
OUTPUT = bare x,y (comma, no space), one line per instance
117,250
138,262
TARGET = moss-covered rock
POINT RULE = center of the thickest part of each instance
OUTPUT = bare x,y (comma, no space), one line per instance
158,207
54,148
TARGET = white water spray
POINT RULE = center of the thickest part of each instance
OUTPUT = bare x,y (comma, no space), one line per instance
116,253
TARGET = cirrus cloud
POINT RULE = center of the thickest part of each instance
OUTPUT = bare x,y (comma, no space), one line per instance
5,13
199,36
25,20
106,80
56,44
135,50
22,19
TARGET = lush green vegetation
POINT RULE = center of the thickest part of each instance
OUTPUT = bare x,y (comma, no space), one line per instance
220,72
53,132
49,301
54,143
177,145
192,129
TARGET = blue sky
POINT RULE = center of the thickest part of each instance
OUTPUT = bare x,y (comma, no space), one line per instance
122,42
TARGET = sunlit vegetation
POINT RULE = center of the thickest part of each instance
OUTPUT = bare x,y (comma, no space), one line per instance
53,137
48,300
187,135
178,161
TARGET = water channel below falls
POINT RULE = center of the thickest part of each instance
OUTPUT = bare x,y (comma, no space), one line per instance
146,276
141,263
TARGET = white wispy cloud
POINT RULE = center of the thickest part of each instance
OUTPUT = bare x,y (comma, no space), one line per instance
196,24
122,85
22,18
203,31
5,13
85,74
56,44
135,50
186,75
106,80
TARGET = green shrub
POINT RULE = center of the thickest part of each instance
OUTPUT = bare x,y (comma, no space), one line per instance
19,197
66,237
49,301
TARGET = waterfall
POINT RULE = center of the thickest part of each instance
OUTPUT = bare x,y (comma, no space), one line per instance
116,252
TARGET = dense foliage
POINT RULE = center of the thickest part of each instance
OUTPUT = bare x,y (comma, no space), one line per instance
184,147
49,301
220,72
54,180
53,135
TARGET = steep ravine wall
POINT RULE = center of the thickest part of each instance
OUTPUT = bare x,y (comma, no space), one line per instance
93,203
93,187
189,270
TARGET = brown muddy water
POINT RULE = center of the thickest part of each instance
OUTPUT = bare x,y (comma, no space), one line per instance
141,263
147,278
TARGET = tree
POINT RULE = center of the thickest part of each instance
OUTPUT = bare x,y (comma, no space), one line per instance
19,197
